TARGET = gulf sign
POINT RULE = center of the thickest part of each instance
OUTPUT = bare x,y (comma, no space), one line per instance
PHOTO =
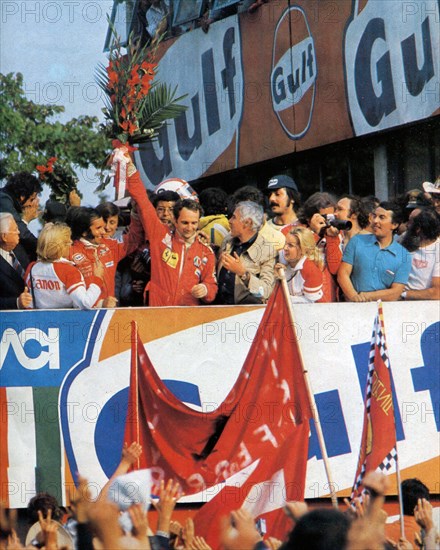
294,72
392,60
209,72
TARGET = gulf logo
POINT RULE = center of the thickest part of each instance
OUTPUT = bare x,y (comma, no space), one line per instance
294,73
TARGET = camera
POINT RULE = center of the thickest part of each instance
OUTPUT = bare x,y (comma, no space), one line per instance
339,224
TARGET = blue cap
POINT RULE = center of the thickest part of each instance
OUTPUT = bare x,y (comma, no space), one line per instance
278,182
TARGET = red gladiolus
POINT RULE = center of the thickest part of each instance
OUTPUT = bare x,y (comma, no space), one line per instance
145,88
148,67
113,78
132,127
134,80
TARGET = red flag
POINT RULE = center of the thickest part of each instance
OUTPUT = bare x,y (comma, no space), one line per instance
378,444
252,450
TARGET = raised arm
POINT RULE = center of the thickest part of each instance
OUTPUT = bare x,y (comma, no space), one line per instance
153,227
130,455
333,251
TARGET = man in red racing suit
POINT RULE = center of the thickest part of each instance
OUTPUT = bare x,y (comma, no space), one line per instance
182,267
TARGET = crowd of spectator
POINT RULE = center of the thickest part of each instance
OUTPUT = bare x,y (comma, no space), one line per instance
118,519
216,249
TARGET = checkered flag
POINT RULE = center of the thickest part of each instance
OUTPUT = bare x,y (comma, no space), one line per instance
378,444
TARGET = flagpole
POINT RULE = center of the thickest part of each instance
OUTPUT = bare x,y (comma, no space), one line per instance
311,396
134,339
398,479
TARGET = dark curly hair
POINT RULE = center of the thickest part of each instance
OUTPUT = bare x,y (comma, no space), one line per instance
165,196
43,502
412,490
313,205
80,219
23,184
214,201
107,209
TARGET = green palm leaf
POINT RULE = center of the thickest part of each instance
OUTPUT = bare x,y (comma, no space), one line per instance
160,105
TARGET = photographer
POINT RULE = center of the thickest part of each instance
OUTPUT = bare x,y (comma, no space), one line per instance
351,209
313,215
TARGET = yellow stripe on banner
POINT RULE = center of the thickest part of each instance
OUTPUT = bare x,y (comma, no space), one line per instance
68,480
154,323
423,471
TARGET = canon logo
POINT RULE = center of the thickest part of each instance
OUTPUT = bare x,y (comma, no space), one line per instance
294,73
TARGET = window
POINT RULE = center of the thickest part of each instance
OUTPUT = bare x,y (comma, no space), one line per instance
122,18
185,11
218,4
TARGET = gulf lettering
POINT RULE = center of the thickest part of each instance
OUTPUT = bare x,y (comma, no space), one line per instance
213,85
293,75
416,78
374,107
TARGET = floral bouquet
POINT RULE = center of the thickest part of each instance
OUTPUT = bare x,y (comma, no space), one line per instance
137,105
60,178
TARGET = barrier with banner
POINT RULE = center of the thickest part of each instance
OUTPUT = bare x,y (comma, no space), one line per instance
64,380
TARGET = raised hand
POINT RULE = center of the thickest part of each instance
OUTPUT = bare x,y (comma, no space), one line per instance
199,543
139,519
295,509
238,532
169,494
80,500
423,514
188,533
131,453
49,529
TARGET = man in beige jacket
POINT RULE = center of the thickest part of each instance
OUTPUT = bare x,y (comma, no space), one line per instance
246,263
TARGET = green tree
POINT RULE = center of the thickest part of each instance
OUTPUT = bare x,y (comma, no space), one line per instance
30,134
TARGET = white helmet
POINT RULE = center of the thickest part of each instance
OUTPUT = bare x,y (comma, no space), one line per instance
181,187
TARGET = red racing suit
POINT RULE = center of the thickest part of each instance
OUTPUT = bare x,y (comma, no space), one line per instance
175,266
109,252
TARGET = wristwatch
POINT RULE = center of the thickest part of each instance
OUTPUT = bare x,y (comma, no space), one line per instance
403,295
245,277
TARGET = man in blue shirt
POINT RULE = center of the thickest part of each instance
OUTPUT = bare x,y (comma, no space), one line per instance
376,267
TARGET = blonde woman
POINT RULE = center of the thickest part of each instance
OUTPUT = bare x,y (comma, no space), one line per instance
303,264
54,281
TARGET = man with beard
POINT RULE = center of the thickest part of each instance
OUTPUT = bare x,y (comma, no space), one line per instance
422,239
284,201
